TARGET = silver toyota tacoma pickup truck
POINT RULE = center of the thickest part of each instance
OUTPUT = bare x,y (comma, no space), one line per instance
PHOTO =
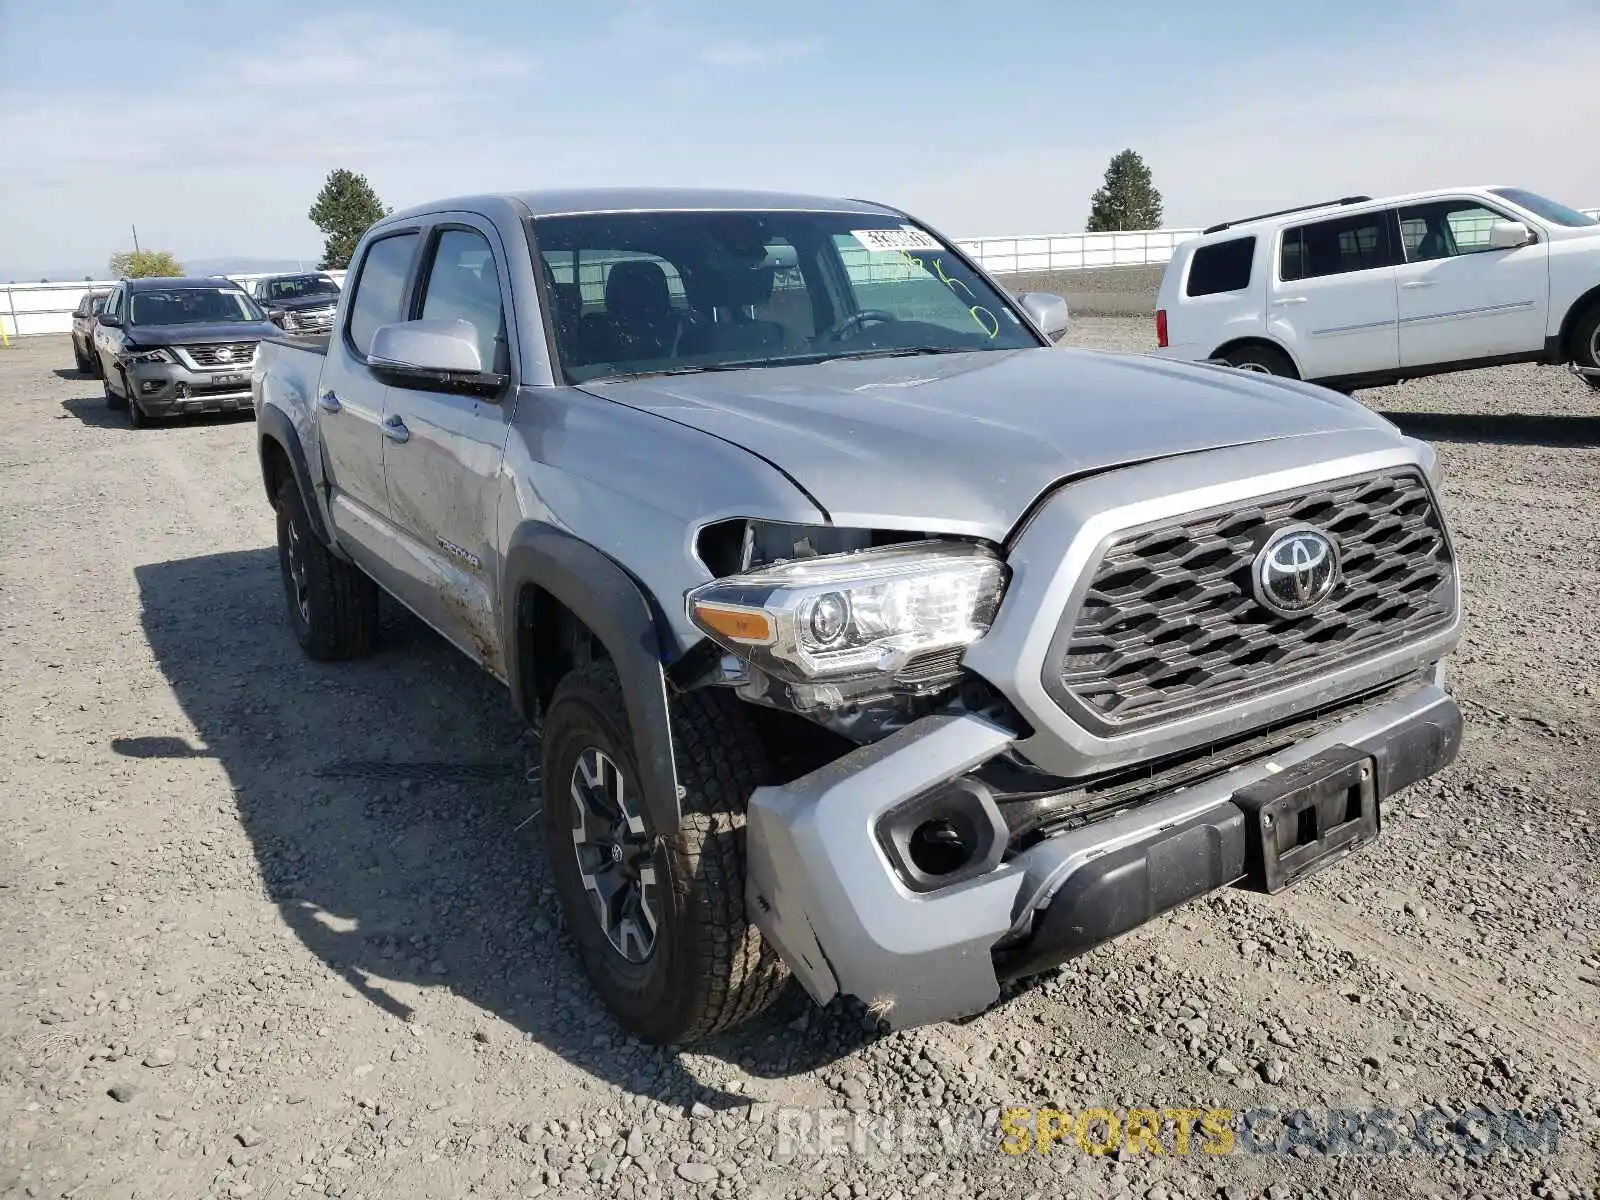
872,638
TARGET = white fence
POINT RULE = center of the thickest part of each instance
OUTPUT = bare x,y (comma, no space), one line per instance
27,308
1074,251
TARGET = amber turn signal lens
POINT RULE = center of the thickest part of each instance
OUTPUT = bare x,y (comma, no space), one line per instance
750,625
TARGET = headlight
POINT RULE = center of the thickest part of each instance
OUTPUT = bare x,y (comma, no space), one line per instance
902,612
148,356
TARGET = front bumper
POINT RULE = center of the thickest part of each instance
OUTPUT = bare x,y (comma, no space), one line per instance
822,887
172,389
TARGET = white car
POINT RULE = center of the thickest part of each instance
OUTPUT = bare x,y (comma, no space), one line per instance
1361,292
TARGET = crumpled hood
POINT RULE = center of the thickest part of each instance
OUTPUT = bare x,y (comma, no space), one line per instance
201,333
965,443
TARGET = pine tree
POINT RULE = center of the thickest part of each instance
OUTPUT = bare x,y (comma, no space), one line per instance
345,208
144,264
1127,200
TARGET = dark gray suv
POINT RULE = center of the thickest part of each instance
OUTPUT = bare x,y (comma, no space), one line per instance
172,347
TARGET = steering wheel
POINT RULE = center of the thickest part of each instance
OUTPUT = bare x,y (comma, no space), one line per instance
855,320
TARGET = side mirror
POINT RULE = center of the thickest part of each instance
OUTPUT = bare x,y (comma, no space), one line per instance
275,315
434,354
1049,313
108,319
1508,235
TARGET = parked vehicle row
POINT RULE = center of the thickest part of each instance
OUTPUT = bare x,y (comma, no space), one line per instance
172,347
1361,292
872,639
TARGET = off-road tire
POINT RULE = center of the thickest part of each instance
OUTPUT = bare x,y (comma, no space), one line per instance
1585,336
342,603
710,969
113,401
1267,360
79,359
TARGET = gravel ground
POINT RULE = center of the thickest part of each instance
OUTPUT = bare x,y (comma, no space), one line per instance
265,930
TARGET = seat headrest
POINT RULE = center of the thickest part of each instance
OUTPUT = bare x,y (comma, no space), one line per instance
637,288
734,288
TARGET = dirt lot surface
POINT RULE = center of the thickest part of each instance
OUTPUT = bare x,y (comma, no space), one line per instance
268,928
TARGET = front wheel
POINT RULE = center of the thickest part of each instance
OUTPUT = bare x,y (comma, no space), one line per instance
113,401
1261,359
1586,343
333,607
659,920
136,415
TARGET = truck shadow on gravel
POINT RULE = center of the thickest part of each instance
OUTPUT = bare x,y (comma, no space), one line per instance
382,800
1499,429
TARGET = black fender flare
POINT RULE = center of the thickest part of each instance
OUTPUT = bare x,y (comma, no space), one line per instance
621,615
273,425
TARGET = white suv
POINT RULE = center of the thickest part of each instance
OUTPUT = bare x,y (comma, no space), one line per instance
1361,292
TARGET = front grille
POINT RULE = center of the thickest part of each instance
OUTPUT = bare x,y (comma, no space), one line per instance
1169,623
317,320
229,354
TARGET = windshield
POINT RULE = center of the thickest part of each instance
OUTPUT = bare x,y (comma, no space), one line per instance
1556,214
185,306
645,292
299,287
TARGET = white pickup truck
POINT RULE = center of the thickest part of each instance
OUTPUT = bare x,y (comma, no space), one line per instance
1360,292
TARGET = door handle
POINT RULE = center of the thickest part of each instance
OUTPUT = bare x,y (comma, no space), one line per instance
395,429
1418,283
329,402
1291,300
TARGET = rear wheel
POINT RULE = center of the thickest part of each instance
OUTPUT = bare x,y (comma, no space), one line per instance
1262,359
1586,343
659,921
333,607
79,359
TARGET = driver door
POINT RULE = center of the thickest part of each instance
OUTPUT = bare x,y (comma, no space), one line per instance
1460,298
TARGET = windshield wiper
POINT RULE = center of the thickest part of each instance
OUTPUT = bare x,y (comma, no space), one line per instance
899,352
691,369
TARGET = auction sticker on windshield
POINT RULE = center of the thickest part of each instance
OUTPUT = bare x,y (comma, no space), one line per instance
896,239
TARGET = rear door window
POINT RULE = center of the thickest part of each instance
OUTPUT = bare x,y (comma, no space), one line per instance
379,289
1339,246
1221,267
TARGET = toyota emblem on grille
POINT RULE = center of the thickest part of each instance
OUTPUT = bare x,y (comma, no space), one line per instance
1295,571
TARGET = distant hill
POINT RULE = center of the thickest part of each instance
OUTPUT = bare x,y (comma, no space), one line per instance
197,266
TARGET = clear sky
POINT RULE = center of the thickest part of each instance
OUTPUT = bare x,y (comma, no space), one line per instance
211,123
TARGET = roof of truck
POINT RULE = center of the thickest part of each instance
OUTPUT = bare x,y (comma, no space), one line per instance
573,201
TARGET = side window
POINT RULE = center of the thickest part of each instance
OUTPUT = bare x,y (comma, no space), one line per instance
1221,267
114,303
1336,247
464,285
380,288
1446,228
